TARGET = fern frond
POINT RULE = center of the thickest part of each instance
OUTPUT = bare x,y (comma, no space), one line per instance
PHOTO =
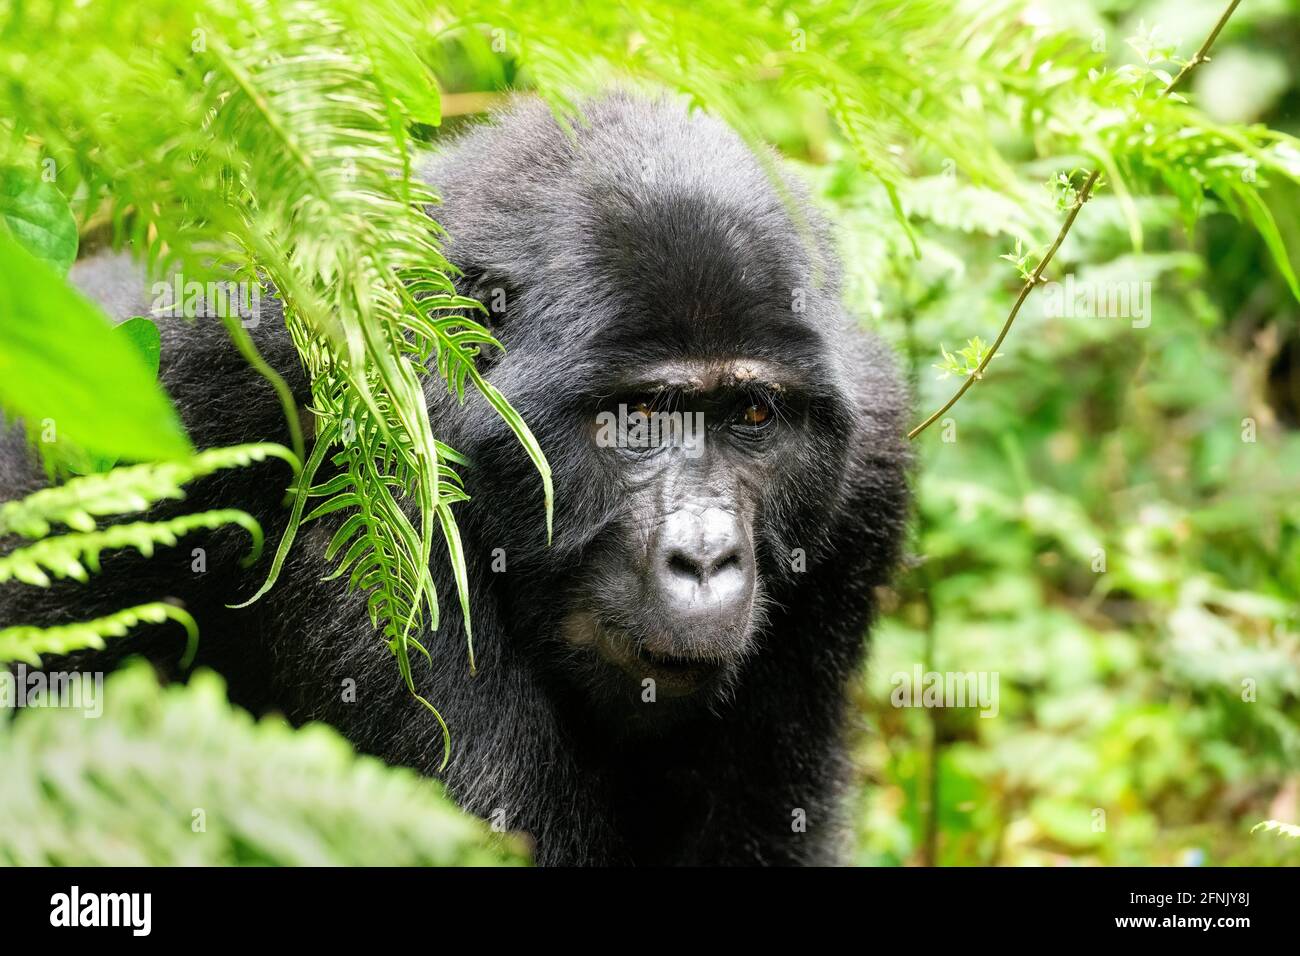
295,115
77,502
1278,827
26,644
177,776
76,555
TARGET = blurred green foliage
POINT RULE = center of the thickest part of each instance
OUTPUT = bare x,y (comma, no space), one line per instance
179,777
1110,521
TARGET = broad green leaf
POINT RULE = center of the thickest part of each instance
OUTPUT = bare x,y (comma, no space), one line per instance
144,335
35,213
69,376
145,338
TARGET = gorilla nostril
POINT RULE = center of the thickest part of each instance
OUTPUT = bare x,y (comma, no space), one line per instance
682,566
731,560
701,569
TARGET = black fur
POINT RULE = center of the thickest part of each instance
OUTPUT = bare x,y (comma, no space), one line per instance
648,234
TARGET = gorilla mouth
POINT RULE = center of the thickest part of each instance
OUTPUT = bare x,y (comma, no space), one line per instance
674,674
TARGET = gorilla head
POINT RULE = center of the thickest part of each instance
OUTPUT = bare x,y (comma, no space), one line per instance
670,311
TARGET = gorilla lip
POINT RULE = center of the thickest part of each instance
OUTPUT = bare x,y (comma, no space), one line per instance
675,675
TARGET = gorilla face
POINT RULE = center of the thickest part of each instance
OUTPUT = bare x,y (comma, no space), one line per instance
676,344
691,444
707,435
706,456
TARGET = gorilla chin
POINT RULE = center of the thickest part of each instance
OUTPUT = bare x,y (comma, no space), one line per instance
636,668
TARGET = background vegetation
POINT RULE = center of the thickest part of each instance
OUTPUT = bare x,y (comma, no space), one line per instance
1122,690
1155,691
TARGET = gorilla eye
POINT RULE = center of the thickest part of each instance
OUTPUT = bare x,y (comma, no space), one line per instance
757,413
645,406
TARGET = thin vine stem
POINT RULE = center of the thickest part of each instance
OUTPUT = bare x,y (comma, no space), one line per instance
1084,194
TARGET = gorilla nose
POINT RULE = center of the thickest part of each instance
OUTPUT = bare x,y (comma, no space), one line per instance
704,566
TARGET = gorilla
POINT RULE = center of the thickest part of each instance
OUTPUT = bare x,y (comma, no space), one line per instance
666,681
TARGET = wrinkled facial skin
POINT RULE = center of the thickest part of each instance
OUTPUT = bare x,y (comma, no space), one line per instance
680,599
672,598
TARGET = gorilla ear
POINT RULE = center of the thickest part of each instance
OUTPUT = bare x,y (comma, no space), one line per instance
494,292
497,297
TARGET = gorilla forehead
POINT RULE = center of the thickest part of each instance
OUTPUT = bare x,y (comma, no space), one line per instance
644,227
683,273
